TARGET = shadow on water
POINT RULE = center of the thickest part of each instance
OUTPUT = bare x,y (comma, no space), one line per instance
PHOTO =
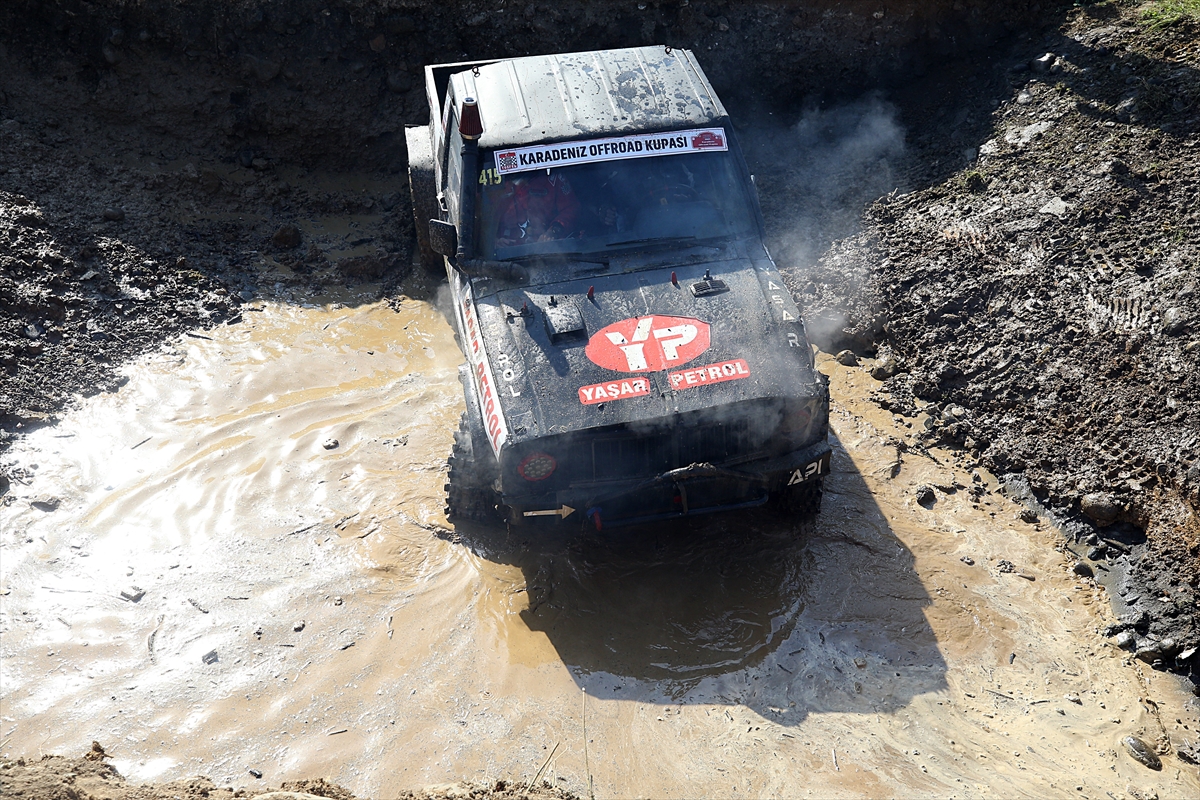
783,617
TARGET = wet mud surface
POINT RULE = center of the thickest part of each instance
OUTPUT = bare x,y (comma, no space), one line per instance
221,589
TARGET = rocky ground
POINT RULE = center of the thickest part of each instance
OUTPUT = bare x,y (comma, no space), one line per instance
90,778
1042,304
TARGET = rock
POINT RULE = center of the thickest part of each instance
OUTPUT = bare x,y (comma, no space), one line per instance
1083,570
970,562
210,657
363,267
45,502
1151,650
210,182
926,496
330,444
1141,752
1100,507
114,214
885,366
1056,206
265,70
287,236
133,594
1042,63
1024,99
299,626
847,358
400,25
1097,553
1126,640
377,44
1029,516
1173,322
1073,698
255,772
1005,566
399,80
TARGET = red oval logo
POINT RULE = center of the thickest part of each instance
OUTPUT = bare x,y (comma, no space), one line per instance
648,344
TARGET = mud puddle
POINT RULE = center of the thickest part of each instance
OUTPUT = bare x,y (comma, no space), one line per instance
359,637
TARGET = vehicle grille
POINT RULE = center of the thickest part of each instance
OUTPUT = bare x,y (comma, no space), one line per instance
627,455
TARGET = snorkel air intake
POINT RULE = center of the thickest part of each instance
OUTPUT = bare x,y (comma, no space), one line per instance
470,127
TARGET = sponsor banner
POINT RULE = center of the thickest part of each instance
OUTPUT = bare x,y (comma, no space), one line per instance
614,390
713,373
485,383
648,344
641,145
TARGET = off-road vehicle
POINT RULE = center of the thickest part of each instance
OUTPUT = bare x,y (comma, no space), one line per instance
632,353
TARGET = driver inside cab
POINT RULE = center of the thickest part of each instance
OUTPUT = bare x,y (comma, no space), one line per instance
536,208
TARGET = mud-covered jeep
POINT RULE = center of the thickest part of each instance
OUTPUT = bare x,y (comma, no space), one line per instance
632,353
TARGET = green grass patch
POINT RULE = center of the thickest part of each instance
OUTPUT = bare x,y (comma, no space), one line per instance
1165,13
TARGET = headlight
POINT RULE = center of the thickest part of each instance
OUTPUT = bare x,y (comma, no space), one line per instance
537,467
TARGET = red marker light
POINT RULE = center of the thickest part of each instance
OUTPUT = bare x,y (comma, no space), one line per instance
537,467
674,280
591,293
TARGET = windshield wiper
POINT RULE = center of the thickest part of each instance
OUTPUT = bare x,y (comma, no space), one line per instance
652,239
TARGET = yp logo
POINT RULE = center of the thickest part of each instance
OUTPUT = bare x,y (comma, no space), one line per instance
648,344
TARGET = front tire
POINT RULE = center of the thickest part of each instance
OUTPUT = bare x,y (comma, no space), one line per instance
470,494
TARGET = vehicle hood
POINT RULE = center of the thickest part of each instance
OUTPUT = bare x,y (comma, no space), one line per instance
644,347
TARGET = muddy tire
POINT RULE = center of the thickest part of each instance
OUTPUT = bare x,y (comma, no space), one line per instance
469,493
421,184
802,501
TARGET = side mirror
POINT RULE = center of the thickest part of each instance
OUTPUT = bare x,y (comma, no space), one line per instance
443,237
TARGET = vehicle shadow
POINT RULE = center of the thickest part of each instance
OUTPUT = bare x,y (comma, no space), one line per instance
782,617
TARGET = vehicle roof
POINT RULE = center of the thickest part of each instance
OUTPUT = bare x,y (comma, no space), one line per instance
573,95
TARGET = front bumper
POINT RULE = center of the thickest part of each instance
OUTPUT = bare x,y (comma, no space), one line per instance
686,491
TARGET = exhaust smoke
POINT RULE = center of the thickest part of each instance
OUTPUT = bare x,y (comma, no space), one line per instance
815,177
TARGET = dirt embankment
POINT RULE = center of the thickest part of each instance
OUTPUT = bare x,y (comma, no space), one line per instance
89,778
1044,305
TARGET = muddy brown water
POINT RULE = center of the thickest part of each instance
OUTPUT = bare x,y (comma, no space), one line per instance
360,637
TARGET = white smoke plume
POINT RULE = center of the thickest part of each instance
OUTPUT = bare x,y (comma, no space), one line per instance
816,175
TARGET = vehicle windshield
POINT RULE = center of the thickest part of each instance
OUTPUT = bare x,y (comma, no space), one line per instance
609,206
